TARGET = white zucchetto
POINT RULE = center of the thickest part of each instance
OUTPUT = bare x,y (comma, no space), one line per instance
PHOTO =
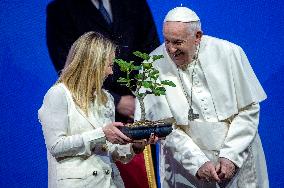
181,14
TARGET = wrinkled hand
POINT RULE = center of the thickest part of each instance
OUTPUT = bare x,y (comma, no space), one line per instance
139,146
114,135
225,169
207,172
126,106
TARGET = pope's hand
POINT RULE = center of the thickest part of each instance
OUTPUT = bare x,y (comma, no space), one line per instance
225,169
126,106
207,172
139,146
114,135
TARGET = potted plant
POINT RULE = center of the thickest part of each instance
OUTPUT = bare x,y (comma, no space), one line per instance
144,83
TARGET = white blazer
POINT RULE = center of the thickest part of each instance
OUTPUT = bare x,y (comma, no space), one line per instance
77,151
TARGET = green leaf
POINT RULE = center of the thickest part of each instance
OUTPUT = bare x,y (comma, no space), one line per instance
154,73
147,79
137,67
146,84
142,55
122,80
123,65
156,57
138,76
168,82
158,92
161,88
147,65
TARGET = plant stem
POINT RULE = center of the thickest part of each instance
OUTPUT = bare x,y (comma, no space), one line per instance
142,107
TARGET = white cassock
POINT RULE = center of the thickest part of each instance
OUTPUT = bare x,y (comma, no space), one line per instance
226,95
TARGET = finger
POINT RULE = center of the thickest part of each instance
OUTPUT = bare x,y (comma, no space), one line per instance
117,124
214,175
227,172
222,174
122,136
156,139
230,175
206,172
218,168
121,141
126,139
151,139
118,140
142,142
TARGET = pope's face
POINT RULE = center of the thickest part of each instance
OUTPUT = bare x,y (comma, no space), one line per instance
179,42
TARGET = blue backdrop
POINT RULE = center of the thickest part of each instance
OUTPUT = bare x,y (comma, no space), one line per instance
26,73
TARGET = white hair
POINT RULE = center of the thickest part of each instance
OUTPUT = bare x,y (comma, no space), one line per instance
194,27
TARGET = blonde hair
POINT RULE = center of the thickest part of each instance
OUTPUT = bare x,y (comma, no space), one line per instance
83,73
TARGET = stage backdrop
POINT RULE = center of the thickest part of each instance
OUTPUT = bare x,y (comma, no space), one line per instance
26,73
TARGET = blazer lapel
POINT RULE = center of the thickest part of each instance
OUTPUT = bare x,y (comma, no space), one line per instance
90,118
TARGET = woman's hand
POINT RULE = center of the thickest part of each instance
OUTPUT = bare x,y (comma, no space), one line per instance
114,135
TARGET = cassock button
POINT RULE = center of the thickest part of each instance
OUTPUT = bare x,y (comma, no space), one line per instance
107,172
95,173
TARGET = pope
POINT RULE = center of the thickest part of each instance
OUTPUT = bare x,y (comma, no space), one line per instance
215,142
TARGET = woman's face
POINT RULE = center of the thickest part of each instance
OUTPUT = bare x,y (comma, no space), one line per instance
109,65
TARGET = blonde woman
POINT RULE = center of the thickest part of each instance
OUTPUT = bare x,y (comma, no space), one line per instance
77,120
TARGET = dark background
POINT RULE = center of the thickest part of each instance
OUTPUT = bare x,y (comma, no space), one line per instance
26,73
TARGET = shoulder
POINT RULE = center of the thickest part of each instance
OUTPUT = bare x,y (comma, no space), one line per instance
55,4
60,5
213,43
158,50
56,91
55,98
109,96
